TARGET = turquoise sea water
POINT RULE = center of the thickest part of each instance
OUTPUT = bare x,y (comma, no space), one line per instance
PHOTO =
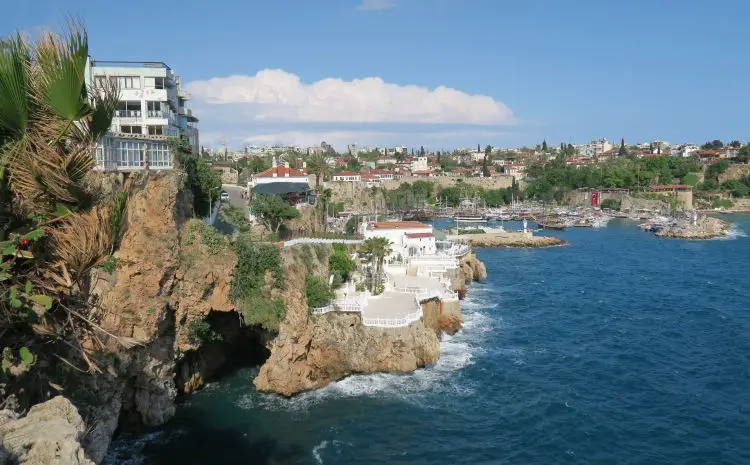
618,348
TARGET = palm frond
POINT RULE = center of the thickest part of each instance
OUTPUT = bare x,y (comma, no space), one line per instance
15,59
62,67
103,100
83,240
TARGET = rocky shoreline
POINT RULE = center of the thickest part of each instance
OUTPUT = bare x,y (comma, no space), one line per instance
704,228
510,240
313,351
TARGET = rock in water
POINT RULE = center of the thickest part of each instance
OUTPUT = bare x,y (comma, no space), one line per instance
49,435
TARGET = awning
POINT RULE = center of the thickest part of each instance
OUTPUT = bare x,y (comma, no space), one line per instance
280,188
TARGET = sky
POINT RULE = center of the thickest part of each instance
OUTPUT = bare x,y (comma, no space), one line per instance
437,73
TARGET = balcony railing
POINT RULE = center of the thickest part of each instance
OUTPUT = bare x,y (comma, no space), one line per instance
128,113
157,114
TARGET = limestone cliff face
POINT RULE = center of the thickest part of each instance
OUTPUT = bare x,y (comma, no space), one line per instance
311,351
442,316
161,284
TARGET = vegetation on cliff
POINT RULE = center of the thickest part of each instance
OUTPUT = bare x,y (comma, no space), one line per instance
258,275
56,223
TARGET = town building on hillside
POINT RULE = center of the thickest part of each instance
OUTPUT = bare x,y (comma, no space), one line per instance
419,164
407,238
228,174
152,106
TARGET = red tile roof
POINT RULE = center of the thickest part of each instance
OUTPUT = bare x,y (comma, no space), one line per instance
419,235
281,172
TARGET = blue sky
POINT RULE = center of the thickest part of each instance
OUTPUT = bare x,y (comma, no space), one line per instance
522,71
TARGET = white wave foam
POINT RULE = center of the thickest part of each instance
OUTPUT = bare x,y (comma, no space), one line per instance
316,451
734,233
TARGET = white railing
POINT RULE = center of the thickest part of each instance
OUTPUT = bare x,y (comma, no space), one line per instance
405,320
322,310
350,305
313,240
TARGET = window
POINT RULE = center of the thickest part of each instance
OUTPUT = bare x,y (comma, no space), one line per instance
158,156
128,109
156,109
129,154
159,83
131,129
156,130
128,82
99,155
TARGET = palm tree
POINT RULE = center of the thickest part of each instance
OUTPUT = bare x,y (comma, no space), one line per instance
49,120
377,248
317,164
50,123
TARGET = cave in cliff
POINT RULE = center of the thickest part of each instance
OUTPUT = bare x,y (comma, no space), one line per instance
236,347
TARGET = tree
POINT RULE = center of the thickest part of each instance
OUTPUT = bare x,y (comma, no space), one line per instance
376,248
744,154
715,144
622,152
421,151
544,146
317,164
272,211
485,168
735,144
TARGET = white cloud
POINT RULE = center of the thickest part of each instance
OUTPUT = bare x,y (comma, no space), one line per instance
273,95
371,5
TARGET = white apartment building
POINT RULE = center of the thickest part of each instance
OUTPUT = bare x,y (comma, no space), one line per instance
151,107
420,164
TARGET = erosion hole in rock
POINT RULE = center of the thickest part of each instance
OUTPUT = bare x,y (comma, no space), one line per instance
238,347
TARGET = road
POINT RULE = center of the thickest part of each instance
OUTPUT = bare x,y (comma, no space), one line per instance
235,198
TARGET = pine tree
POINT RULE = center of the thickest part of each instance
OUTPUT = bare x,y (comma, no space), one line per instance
623,152
544,146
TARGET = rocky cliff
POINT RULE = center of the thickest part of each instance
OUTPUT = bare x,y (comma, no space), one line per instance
50,434
164,278
311,351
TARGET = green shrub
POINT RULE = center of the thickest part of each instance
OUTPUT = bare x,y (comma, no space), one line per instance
722,203
265,312
248,289
211,238
201,332
109,265
612,204
235,217
471,231
340,263
318,292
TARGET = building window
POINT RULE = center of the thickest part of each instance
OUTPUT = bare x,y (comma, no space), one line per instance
156,109
159,83
128,109
129,154
156,130
131,129
128,82
99,155
158,156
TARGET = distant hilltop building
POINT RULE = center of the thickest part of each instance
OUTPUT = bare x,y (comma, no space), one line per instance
152,107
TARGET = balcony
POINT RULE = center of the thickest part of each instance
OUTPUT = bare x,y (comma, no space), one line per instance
157,114
128,113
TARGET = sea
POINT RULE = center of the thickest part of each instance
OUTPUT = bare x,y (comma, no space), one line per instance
617,348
